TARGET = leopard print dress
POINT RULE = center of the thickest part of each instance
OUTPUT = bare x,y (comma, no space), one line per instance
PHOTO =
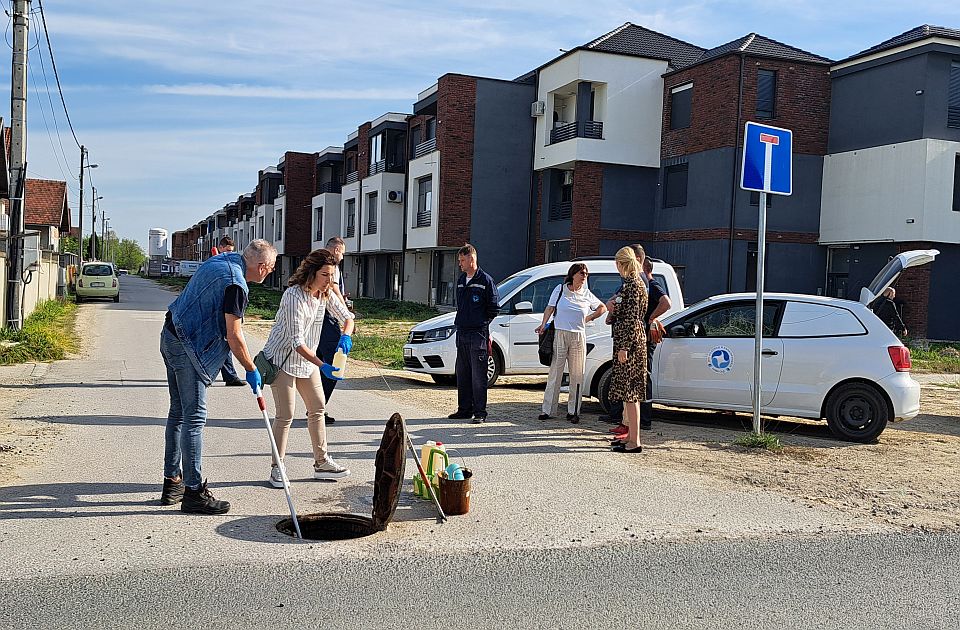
629,382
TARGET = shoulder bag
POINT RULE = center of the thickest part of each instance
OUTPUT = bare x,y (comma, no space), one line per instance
545,349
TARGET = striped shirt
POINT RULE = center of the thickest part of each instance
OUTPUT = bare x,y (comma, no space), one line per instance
299,323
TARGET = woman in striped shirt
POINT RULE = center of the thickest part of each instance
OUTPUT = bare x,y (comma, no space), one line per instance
290,346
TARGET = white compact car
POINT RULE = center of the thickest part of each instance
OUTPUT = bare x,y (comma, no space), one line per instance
431,347
821,358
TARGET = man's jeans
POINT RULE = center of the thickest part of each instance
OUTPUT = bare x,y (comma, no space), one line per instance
228,372
187,416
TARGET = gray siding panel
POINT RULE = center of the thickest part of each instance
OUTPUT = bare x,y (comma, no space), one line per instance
708,193
942,320
629,198
502,174
799,212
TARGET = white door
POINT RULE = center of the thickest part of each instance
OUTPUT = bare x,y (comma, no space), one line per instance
712,364
523,348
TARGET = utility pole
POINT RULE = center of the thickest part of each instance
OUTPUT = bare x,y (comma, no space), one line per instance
83,153
93,225
18,160
103,235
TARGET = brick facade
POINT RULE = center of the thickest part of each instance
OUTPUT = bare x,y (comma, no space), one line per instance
298,174
456,114
802,104
540,245
913,289
587,200
363,150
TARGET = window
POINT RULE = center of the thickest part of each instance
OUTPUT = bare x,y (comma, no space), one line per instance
376,149
278,221
424,201
415,137
431,129
802,319
953,96
318,236
675,186
766,94
537,292
755,199
604,285
260,227
956,183
372,213
558,251
351,218
681,102
734,320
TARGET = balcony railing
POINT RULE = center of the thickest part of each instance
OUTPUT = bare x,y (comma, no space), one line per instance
592,129
328,187
351,177
425,147
378,167
560,211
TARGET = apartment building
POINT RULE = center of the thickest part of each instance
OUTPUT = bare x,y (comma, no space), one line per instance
599,110
891,179
375,162
327,204
469,179
704,224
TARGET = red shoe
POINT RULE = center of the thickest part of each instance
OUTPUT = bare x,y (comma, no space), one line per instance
620,428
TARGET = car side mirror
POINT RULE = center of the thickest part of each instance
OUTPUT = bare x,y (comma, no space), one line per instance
523,307
678,331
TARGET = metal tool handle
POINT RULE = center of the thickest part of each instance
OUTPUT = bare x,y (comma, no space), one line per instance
276,457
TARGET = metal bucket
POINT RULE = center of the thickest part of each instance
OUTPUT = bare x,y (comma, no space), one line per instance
455,495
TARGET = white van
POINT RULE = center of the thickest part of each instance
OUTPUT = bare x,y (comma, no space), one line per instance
431,347
187,268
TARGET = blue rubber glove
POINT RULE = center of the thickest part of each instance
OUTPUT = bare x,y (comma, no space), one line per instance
254,380
346,344
330,372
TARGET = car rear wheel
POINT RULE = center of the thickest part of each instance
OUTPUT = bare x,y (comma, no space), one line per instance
444,379
857,412
494,367
603,390
78,298
116,298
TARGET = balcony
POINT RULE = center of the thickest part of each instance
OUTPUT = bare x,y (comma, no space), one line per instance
329,187
351,177
561,211
592,129
424,148
378,167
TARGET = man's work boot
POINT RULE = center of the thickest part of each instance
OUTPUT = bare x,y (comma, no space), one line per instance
200,501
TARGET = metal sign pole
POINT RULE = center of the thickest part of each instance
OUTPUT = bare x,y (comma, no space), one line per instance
758,319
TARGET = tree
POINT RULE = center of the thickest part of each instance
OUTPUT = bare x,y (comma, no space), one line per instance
129,255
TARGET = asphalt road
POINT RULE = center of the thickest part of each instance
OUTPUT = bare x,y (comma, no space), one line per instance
561,533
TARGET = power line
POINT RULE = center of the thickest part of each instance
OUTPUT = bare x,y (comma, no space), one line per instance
56,75
53,110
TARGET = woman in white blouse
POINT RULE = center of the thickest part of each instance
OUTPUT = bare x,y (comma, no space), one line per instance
290,346
574,305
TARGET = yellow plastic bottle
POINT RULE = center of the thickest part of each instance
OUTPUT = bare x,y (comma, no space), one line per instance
433,457
339,362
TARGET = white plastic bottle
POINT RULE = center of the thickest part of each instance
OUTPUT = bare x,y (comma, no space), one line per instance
339,362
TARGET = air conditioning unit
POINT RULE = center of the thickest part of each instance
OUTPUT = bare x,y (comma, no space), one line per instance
537,108
568,178
395,196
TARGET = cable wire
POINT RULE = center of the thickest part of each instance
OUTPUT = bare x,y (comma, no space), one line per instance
53,111
56,75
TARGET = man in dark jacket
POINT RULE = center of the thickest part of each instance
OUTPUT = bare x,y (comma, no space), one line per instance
478,302
330,333
886,309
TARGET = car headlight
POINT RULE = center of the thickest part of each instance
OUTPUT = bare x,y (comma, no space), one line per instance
439,334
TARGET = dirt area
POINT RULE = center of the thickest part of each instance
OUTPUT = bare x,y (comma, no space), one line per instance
906,479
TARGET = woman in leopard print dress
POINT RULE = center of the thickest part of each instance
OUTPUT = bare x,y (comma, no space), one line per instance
630,346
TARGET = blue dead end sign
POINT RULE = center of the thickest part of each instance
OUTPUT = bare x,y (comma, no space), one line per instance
767,163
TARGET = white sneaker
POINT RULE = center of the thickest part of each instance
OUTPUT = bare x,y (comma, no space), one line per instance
329,469
275,479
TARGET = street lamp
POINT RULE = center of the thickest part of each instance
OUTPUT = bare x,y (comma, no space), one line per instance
93,218
83,166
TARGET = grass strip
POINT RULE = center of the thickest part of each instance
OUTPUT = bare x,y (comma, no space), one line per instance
47,335
765,441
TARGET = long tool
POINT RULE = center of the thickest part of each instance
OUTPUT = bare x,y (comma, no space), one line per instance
416,458
279,462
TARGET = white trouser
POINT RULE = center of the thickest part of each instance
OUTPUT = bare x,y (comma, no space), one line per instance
569,349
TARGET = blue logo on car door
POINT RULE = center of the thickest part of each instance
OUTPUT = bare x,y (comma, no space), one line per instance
721,359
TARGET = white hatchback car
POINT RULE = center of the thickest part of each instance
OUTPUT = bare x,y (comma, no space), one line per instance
822,358
431,346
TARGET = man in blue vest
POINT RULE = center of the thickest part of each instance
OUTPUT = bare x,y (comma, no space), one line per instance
478,302
228,372
202,327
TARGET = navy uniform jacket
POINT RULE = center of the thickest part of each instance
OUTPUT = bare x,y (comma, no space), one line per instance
477,302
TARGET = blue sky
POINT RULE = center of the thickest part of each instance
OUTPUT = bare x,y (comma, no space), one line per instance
180,104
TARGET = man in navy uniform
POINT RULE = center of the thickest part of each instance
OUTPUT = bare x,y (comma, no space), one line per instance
478,302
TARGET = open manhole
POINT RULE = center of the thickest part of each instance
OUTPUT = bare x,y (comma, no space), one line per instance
388,480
